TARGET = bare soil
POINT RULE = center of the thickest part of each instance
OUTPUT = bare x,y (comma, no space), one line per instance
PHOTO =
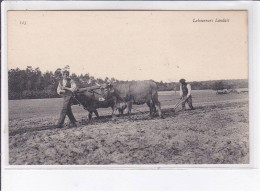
216,133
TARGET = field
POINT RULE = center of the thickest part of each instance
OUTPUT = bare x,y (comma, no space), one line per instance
216,132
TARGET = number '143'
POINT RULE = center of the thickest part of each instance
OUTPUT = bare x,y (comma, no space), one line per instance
23,22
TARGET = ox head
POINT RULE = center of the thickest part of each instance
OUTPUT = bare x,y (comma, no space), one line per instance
106,88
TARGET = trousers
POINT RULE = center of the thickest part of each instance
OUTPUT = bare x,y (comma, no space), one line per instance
188,101
66,110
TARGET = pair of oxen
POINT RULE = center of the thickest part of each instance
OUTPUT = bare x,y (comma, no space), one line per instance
119,97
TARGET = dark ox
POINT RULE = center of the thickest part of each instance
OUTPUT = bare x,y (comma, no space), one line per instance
138,92
91,99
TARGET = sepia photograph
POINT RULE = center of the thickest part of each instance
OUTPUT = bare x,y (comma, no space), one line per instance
128,87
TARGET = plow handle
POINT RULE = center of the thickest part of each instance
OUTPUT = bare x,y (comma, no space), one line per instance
182,99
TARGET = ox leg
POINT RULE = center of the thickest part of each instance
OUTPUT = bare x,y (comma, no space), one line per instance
96,113
90,115
154,108
150,104
113,112
158,107
121,111
129,107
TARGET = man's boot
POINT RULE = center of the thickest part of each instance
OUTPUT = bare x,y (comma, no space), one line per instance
72,124
58,125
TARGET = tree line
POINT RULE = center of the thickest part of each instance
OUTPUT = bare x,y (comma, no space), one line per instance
33,84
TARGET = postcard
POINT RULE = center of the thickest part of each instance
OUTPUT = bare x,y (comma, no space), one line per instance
125,88
166,87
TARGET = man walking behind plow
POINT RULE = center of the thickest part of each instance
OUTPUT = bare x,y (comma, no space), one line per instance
66,88
185,93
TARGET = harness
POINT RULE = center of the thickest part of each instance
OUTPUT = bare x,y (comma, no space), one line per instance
92,90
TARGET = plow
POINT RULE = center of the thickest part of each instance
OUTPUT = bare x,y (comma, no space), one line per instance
181,100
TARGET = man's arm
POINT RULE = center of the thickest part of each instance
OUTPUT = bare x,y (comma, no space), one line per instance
181,92
73,86
59,89
189,90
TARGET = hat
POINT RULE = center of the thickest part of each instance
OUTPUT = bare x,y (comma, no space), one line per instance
182,81
66,69
58,73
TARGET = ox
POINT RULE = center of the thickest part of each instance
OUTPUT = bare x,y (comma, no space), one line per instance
92,98
138,92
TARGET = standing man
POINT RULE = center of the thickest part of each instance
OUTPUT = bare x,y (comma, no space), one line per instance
65,88
185,93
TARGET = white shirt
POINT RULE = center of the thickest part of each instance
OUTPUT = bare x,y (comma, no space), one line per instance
189,90
64,82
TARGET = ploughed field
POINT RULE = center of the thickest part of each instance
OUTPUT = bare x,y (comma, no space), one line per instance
217,132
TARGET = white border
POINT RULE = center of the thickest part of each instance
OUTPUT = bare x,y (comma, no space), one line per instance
10,171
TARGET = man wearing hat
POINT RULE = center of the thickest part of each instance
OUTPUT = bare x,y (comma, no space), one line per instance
65,88
185,93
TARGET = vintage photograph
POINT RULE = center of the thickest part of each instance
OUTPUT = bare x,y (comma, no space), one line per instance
128,87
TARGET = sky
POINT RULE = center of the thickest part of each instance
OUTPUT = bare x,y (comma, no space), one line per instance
131,45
